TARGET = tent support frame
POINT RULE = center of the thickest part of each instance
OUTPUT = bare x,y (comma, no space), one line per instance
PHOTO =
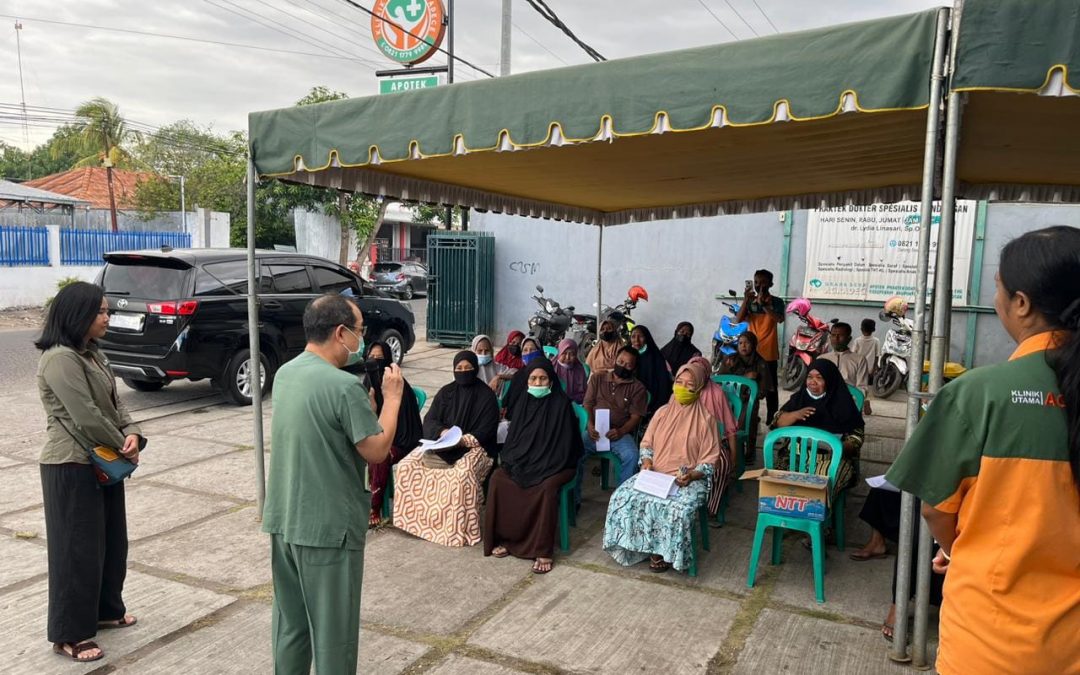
918,338
253,341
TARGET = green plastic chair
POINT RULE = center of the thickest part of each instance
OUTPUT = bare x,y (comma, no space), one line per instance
503,393
858,395
388,500
567,516
804,444
421,397
551,352
734,385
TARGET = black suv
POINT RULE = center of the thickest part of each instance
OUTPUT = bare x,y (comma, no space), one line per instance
182,314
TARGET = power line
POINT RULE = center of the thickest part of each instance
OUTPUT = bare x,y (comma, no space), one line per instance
188,39
541,44
305,21
541,7
718,19
325,14
424,40
741,18
766,16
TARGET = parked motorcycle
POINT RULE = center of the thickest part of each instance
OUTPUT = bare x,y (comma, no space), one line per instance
725,340
550,323
892,366
583,326
810,341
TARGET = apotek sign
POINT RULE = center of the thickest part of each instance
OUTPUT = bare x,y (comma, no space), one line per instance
407,84
424,24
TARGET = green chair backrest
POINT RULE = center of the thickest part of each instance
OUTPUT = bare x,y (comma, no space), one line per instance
804,443
551,352
735,386
503,393
588,371
858,395
582,416
421,397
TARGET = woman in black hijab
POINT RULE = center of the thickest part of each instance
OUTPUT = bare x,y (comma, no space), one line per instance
652,368
438,494
377,359
680,348
539,456
826,403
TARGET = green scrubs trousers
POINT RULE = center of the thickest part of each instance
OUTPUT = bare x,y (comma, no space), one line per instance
316,608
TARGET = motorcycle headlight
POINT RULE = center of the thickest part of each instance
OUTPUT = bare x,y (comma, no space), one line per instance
549,307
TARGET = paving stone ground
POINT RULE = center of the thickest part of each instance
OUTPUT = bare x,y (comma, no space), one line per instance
199,577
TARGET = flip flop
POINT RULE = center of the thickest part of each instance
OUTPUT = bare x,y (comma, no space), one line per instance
78,648
118,623
550,564
860,556
500,555
659,566
887,631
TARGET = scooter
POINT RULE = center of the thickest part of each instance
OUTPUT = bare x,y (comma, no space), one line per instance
550,323
810,341
725,340
892,366
583,327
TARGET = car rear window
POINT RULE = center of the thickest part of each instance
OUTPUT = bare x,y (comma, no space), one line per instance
387,267
144,279
223,278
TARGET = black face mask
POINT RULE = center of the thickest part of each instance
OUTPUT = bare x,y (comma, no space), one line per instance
607,336
682,338
465,377
622,373
515,350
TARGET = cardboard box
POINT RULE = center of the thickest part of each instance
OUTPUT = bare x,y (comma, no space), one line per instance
791,494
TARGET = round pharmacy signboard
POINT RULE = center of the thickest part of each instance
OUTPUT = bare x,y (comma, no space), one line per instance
424,24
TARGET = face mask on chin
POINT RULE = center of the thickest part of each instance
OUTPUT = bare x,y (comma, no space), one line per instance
816,397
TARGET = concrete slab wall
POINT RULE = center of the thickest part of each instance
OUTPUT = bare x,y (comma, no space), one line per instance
684,264
30,286
320,234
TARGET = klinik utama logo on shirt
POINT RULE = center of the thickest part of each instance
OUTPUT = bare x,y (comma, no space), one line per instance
1035,397
424,24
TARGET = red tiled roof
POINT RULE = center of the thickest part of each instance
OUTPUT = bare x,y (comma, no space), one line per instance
91,184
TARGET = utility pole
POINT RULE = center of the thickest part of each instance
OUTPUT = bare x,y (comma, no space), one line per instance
22,90
449,80
504,58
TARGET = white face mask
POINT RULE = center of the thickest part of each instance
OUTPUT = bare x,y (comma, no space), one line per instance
816,397
354,357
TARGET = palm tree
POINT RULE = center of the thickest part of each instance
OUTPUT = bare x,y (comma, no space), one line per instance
103,131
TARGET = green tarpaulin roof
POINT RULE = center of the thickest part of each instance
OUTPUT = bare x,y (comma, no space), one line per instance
1018,64
804,119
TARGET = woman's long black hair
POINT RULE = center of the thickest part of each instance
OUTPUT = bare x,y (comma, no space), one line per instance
1045,266
70,316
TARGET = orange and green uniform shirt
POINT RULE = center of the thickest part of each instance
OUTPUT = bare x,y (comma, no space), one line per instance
993,450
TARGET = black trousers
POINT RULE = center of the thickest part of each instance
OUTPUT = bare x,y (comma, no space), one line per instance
881,511
772,397
86,526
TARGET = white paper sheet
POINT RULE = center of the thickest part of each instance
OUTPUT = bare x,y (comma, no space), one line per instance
880,482
603,425
503,431
451,439
656,484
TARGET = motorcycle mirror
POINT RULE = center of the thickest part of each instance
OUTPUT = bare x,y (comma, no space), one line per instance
884,316
570,309
539,288
731,293
834,320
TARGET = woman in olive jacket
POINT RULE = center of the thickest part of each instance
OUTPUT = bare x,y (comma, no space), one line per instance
85,522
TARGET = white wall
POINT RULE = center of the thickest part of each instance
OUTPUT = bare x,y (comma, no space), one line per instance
30,286
320,234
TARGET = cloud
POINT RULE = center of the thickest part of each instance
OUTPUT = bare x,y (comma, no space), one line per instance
158,80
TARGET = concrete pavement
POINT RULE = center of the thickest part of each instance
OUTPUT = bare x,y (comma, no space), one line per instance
199,577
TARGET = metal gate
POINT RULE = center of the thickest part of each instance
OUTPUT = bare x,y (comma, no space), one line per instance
461,287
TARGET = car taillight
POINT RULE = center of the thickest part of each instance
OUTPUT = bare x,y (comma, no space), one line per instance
185,308
400,277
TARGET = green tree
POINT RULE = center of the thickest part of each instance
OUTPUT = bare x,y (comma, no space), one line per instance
101,126
14,162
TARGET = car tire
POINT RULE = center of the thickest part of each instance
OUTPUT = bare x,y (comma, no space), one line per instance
409,292
396,343
232,380
143,385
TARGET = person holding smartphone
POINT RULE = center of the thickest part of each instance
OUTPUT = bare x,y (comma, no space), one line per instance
764,312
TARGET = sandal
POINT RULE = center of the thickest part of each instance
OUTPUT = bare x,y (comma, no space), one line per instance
500,552
127,622
374,520
863,555
658,564
540,564
73,650
887,631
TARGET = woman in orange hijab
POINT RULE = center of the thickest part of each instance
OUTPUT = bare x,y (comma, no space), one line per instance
681,441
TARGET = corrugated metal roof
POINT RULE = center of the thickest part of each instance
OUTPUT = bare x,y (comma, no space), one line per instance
22,193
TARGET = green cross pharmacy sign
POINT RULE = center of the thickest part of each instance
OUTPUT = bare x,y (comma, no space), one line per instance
408,31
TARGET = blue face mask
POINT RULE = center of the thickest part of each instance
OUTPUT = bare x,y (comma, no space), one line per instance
483,359
644,348
539,392
531,356
357,356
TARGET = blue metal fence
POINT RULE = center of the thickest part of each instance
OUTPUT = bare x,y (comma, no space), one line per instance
86,247
23,246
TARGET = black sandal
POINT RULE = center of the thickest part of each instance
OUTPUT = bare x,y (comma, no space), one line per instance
73,649
658,564
118,623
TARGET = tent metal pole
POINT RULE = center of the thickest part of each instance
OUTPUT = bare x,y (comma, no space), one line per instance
253,344
599,288
915,358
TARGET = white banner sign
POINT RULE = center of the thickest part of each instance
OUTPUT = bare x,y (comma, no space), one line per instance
871,252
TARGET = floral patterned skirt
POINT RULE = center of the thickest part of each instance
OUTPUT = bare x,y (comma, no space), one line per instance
441,505
639,525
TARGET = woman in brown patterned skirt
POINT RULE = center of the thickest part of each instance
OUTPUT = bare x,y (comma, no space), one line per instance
438,494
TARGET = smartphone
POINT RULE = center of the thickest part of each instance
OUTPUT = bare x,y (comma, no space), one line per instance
749,284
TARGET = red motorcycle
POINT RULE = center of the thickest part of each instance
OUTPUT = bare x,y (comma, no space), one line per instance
810,341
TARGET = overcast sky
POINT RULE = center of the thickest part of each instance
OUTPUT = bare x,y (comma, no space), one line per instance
158,80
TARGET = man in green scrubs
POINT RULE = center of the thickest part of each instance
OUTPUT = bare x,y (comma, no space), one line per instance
323,432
